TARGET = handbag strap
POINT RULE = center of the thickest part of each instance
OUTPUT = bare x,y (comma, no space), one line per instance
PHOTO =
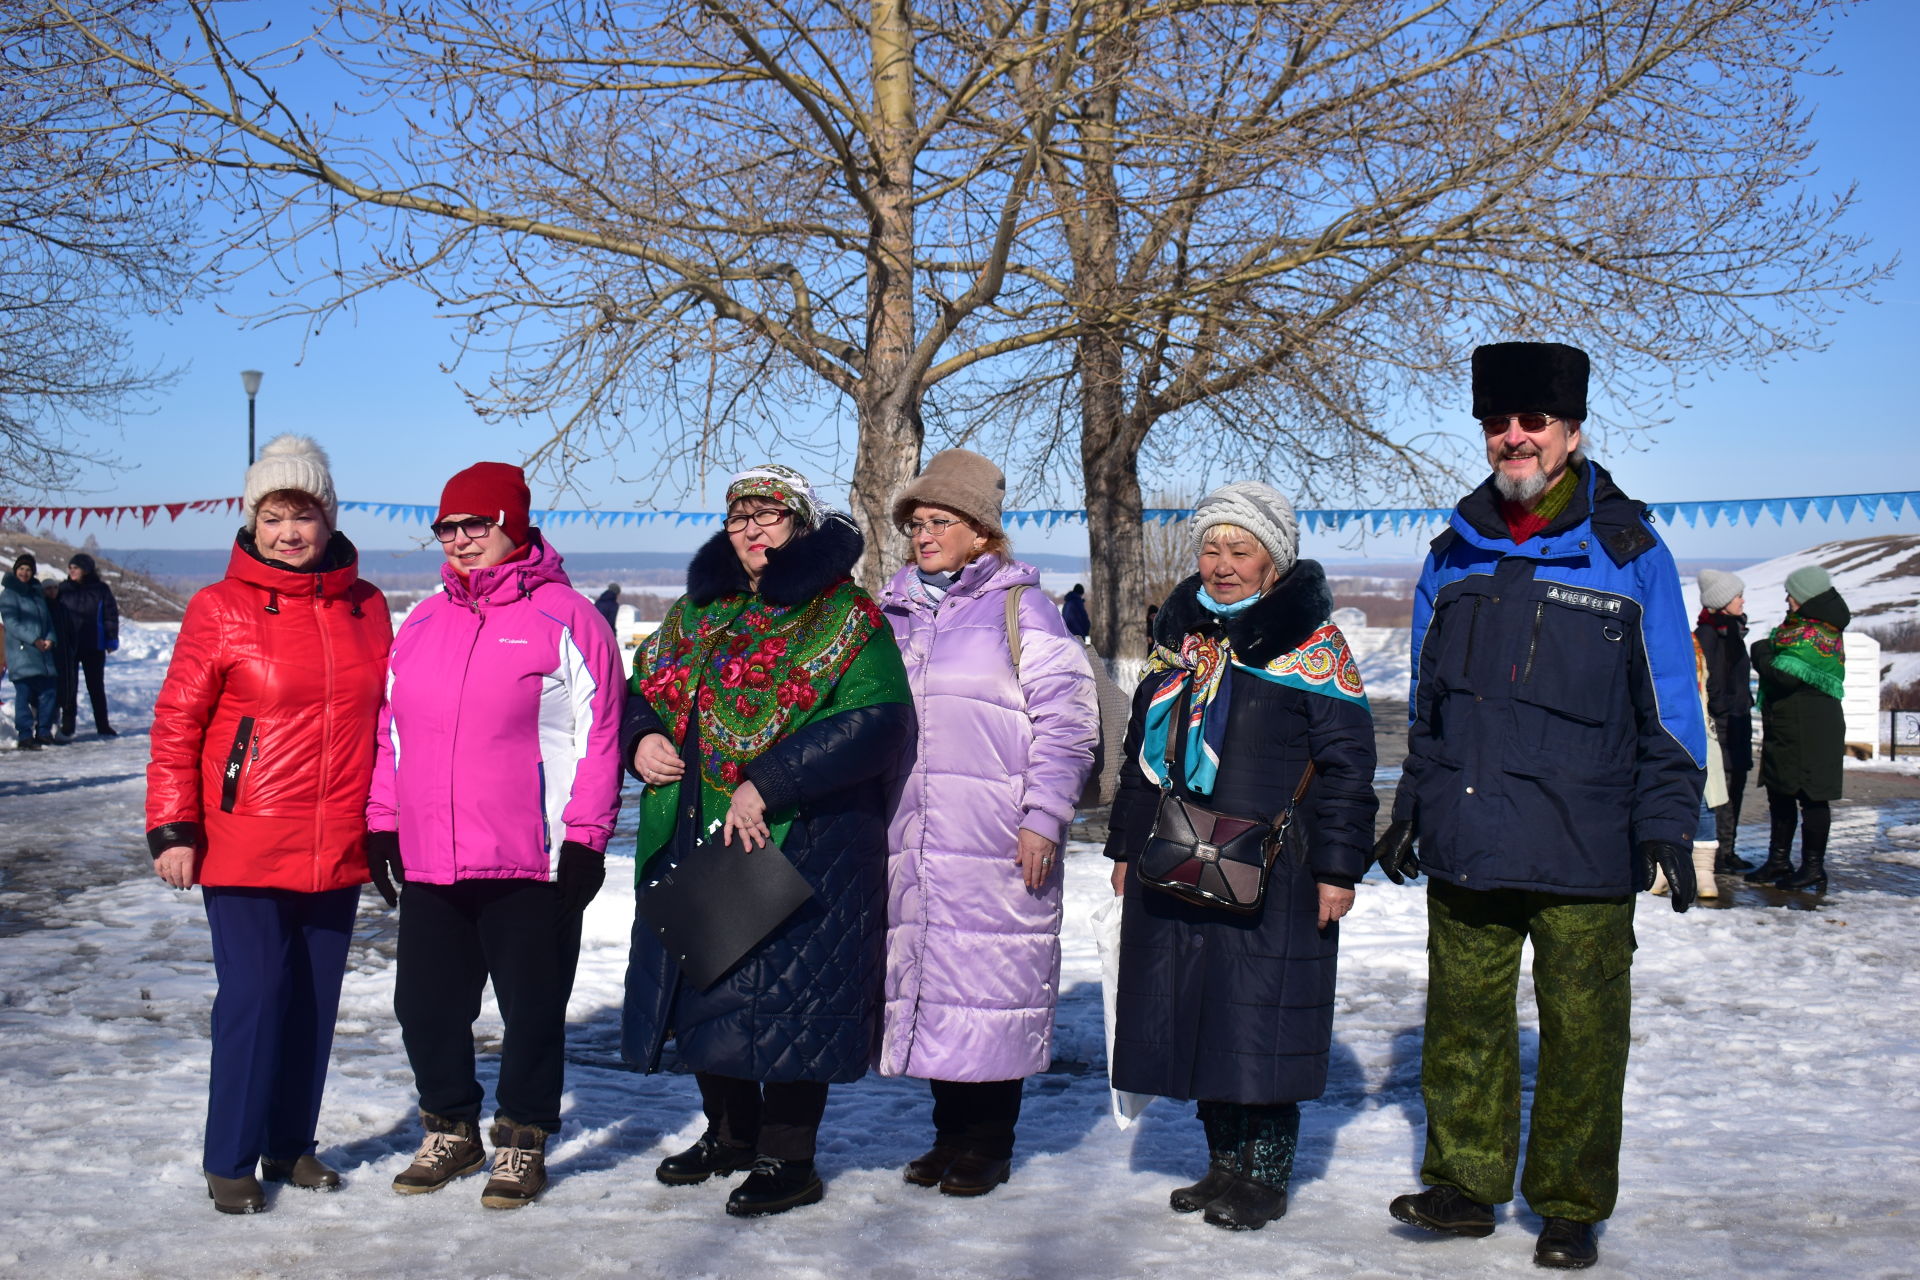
1013,625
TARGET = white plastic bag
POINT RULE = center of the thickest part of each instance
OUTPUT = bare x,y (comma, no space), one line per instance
1106,938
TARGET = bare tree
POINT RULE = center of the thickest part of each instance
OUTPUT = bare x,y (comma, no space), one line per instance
1283,226
712,212
90,233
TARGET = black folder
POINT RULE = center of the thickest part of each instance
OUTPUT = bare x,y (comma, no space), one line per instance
718,903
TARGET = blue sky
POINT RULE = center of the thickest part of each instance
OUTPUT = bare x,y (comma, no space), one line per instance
372,390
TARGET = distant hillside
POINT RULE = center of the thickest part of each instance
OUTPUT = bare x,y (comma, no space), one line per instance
139,596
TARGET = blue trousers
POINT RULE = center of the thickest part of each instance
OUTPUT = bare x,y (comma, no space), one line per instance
279,956
34,698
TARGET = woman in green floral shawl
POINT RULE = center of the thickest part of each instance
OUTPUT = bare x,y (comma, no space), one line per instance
771,705
1802,670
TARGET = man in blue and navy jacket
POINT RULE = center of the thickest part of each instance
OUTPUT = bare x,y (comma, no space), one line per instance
1555,757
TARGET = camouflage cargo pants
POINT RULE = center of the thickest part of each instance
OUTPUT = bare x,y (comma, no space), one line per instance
1470,1071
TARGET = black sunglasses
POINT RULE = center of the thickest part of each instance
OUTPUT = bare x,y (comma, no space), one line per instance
475,529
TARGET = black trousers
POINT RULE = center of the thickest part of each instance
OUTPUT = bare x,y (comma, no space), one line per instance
977,1116
1813,817
94,664
453,938
778,1120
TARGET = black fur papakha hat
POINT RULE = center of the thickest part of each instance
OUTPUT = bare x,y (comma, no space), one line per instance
1530,377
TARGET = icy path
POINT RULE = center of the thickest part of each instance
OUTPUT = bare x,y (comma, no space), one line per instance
1772,1109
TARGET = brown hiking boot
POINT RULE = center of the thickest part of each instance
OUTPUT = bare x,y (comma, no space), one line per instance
519,1165
451,1148
236,1195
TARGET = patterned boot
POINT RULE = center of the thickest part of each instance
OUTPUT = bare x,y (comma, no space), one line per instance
1259,1194
1226,1126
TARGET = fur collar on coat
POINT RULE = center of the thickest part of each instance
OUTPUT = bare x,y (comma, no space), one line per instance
795,573
1277,623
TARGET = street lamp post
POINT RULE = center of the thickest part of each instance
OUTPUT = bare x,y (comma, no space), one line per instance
250,379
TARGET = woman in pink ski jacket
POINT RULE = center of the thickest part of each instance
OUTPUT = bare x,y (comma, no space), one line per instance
495,788
973,877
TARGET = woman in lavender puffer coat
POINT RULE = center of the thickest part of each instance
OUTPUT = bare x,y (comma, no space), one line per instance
973,881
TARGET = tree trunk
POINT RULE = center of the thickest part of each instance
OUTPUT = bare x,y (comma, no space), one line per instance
1110,458
888,399
888,457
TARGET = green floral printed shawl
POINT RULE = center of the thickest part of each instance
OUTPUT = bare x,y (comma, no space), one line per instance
754,672
1813,652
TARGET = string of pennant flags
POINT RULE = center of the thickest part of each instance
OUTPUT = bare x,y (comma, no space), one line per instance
1731,511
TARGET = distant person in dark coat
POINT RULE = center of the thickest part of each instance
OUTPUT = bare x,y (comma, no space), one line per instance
93,618
608,603
1073,609
1802,667
1721,632
31,652
1235,1012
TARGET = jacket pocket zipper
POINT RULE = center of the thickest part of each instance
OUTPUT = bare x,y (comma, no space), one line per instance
1473,625
236,761
1533,642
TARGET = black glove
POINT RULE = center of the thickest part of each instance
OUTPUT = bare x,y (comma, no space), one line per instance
383,864
582,872
1394,852
1677,862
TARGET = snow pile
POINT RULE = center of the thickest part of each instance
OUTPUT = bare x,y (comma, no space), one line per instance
1385,658
1768,1130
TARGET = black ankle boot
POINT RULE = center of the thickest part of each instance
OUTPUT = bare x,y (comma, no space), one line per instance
1777,864
1259,1194
1811,875
702,1160
775,1186
1225,1123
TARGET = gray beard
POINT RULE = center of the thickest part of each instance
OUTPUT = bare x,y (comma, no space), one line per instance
1521,491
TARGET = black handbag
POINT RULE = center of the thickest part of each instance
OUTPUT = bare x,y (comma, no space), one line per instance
1208,858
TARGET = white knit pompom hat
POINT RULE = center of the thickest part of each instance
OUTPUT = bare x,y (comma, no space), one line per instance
1261,510
292,462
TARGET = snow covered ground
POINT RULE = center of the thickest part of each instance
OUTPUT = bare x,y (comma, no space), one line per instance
1773,1108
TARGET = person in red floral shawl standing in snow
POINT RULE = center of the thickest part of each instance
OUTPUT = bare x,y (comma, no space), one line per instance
770,707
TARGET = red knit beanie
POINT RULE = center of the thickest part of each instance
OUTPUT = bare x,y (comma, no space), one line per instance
497,490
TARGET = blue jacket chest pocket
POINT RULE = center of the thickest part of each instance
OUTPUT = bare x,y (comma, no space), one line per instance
1573,672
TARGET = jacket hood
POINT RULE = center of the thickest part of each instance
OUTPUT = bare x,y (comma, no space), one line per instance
1829,608
988,573
795,573
1617,521
499,583
1277,623
244,564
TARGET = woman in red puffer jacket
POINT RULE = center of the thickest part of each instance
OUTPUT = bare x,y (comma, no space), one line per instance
263,742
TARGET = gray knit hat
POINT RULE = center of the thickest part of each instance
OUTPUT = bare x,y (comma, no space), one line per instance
1808,581
959,480
292,462
1718,590
1258,508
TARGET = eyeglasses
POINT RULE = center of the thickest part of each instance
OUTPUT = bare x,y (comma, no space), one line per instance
1531,423
765,517
474,530
937,526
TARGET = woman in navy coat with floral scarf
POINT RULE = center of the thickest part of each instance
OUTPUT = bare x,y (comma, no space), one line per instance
1235,1012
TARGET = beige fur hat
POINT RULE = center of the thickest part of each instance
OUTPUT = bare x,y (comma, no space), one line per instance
959,480
292,462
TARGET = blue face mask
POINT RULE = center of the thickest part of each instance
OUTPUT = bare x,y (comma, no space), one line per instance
1219,610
